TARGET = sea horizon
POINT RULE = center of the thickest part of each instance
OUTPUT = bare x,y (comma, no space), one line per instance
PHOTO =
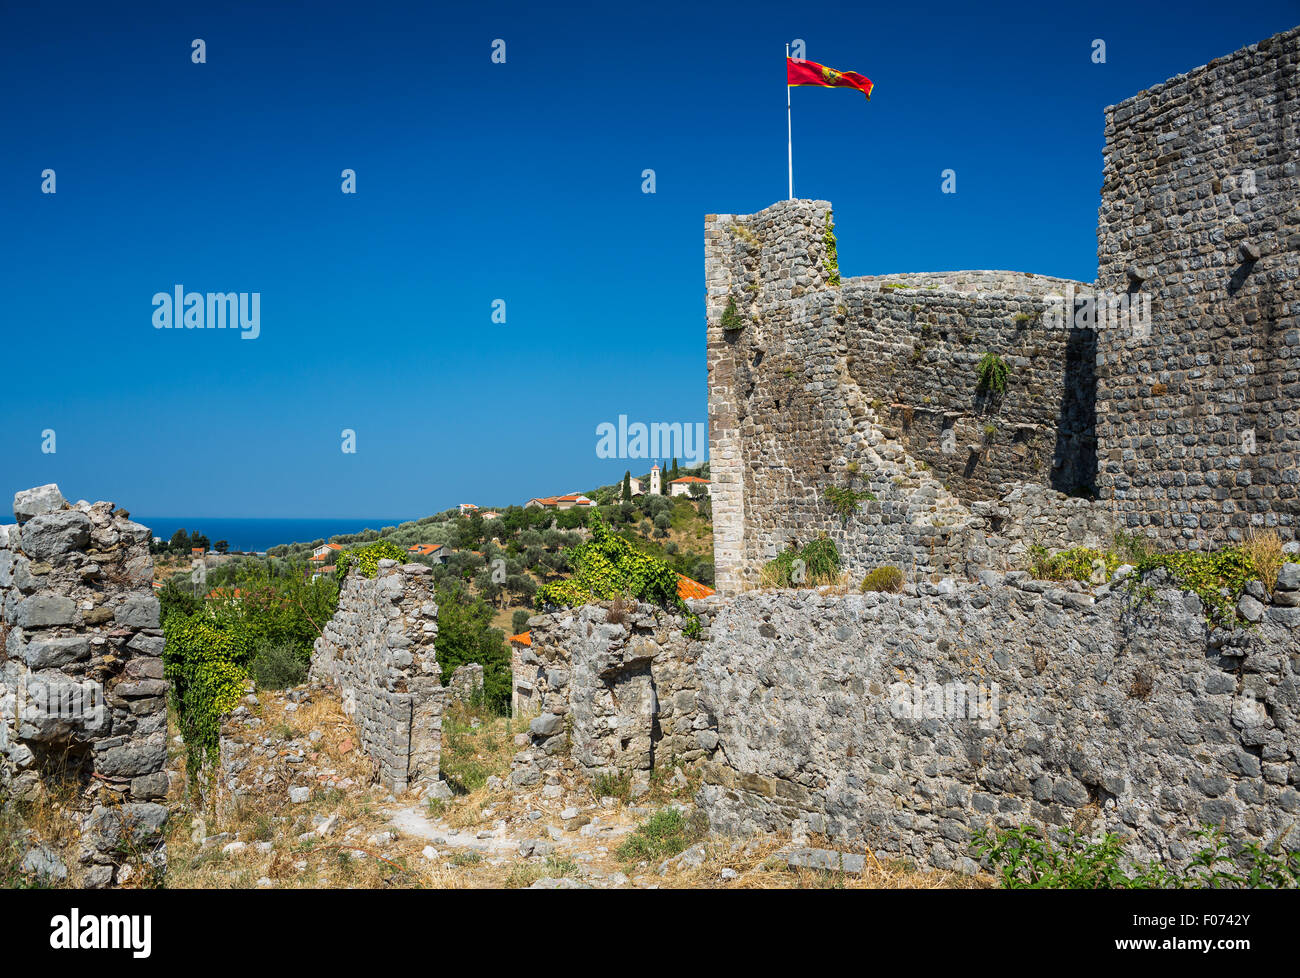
259,533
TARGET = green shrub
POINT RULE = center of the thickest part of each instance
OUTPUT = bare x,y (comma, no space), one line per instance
822,559
1074,564
1027,857
731,319
664,834
1217,578
278,665
613,784
1133,548
280,606
257,621
845,501
607,566
367,558
832,260
991,375
174,596
465,634
887,579
462,765
821,565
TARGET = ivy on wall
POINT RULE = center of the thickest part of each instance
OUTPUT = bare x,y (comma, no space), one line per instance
607,566
206,662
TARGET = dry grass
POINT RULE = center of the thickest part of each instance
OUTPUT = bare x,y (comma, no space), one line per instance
477,750
759,866
50,819
1264,547
265,815
842,585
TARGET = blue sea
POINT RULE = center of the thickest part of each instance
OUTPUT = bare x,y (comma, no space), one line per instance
261,534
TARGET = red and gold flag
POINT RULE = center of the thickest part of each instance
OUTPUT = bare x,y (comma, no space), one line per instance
811,73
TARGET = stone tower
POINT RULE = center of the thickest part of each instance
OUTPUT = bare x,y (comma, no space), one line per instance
654,480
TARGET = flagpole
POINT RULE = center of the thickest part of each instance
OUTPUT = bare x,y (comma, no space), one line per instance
789,140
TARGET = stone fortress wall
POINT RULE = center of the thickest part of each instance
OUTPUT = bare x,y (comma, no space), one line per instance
82,692
871,383
1199,424
902,724
378,650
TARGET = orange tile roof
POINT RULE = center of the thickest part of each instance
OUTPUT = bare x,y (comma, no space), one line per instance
424,549
686,588
689,478
572,497
523,638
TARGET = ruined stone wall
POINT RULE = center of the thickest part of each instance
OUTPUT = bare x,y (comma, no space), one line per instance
618,691
82,693
525,697
1029,515
871,384
1199,423
1098,714
378,649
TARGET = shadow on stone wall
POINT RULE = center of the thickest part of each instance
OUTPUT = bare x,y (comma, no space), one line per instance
1074,463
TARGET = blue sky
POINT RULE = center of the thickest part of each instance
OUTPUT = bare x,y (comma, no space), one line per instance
479,181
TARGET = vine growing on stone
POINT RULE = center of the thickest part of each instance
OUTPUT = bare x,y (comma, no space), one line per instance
205,661
832,260
1033,858
367,558
607,566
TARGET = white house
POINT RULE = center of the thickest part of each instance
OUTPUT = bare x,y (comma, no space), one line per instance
682,486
